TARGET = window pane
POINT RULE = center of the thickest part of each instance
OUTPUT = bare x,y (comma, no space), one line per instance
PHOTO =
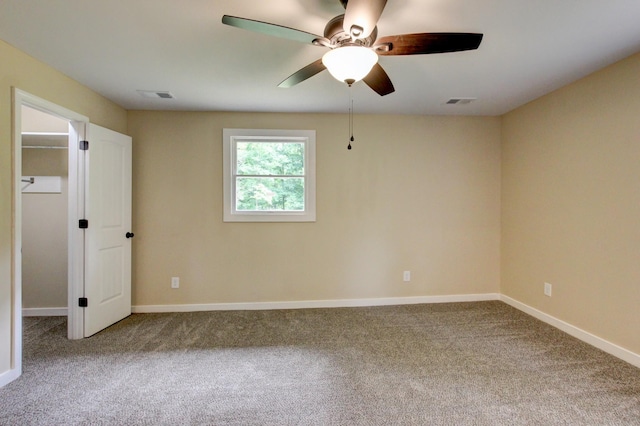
269,194
270,158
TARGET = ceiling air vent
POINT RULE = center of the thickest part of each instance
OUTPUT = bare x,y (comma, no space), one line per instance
155,94
460,101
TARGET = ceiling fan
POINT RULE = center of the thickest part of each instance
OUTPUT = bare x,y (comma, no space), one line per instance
355,46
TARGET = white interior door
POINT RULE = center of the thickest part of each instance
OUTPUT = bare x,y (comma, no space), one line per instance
107,238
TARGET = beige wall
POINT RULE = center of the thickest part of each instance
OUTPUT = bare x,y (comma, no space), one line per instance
21,71
571,204
415,193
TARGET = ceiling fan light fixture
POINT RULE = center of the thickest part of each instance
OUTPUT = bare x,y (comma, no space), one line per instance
350,63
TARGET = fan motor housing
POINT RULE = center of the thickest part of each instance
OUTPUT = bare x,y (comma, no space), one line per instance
334,31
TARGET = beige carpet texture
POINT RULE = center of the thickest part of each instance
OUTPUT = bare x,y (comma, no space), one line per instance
482,363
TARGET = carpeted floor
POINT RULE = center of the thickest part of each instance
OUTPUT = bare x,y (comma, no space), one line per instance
479,363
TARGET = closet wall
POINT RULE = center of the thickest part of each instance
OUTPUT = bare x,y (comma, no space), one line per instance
44,214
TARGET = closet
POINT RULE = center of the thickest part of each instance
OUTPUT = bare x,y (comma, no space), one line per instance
45,171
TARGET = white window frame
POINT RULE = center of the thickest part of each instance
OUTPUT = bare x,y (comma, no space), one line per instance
230,138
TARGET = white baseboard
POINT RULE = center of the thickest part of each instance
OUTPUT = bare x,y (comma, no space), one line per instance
9,376
306,304
611,348
44,312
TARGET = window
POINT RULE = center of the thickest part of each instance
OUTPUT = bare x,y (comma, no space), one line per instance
269,175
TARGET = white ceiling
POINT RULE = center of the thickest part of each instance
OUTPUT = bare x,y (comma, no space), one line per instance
117,47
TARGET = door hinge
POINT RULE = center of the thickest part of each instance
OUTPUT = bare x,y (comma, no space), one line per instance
84,145
83,302
83,223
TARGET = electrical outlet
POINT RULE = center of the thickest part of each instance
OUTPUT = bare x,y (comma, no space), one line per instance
547,289
406,276
175,282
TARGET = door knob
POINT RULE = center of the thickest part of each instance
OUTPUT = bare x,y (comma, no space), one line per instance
129,235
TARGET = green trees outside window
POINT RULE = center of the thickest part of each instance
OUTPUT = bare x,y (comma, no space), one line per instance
270,176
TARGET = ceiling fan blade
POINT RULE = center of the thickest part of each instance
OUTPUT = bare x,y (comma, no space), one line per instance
303,74
424,43
361,17
270,29
379,81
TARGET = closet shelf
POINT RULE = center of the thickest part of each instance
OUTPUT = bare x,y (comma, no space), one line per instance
45,140
45,134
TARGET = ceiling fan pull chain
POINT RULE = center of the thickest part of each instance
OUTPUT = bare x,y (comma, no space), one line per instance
351,139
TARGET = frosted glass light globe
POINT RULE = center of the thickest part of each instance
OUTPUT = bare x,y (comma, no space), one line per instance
350,63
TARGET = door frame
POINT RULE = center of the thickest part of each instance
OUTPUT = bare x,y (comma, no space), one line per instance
76,190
